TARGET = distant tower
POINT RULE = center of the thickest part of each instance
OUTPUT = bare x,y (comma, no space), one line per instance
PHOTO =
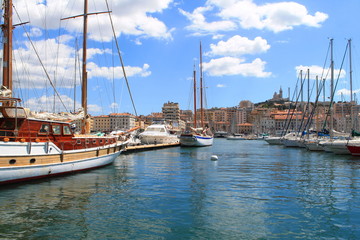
280,93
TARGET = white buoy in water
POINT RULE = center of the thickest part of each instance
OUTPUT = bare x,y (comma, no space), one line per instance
214,158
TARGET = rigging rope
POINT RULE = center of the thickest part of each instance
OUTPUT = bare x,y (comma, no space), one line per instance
121,60
41,63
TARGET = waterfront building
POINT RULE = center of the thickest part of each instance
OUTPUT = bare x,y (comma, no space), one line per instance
121,121
245,128
171,112
77,124
113,121
101,123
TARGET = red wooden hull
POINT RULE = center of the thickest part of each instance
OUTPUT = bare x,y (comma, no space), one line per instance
354,150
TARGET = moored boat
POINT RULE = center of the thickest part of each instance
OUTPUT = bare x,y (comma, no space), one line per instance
31,148
198,137
236,136
158,134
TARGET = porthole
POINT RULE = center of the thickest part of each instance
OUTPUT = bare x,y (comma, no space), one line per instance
101,141
33,160
12,161
87,141
94,141
106,141
78,141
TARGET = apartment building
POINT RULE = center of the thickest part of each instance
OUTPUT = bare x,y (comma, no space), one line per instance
121,121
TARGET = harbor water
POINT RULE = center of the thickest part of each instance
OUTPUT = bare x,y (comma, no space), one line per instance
253,191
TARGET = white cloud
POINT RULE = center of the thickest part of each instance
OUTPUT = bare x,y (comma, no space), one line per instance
238,46
46,103
232,14
94,108
200,26
320,72
346,92
130,17
227,66
34,32
117,72
220,85
58,60
114,105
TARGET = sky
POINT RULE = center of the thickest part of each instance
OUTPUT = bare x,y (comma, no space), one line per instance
250,48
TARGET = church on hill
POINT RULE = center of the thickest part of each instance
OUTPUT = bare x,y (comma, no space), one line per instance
278,97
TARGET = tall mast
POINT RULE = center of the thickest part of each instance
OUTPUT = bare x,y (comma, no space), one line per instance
7,50
84,73
195,123
201,90
85,128
351,87
331,91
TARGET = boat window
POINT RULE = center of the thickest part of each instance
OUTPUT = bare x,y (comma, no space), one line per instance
78,141
56,129
66,130
7,125
12,161
44,129
152,129
94,141
33,160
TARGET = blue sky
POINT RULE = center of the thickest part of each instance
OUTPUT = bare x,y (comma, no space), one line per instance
250,49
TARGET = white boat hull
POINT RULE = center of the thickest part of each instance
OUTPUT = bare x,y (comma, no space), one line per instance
156,139
19,173
337,147
313,146
290,143
196,141
274,140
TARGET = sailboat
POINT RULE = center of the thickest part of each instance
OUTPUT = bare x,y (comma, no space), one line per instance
31,148
198,137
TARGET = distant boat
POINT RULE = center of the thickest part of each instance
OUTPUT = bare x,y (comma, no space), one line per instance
236,136
198,137
158,134
274,140
220,134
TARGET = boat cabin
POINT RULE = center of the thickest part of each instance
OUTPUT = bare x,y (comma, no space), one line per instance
15,126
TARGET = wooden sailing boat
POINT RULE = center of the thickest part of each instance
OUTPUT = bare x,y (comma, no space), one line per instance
198,137
32,148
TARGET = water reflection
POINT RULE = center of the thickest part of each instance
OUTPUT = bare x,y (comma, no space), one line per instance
254,191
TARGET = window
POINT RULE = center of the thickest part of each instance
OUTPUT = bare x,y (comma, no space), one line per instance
56,129
44,129
66,130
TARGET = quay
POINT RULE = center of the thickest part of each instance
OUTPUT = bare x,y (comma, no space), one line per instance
146,147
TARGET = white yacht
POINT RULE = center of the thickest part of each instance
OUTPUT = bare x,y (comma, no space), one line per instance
158,134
